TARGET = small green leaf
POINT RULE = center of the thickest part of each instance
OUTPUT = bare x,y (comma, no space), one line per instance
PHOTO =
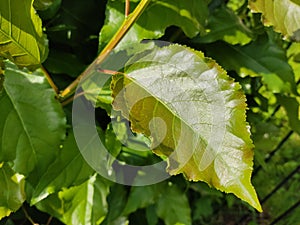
262,57
42,4
12,193
141,197
32,122
160,14
116,203
68,169
224,24
173,207
284,15
293,55
194,114
21,36
291,105
84,204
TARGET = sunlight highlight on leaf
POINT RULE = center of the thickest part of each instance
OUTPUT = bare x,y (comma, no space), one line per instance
284,15
21,36
207,137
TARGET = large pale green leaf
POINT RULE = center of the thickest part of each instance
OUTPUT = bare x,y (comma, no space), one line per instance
262,57
12,193
21,36
194,113
80,205
32,122
160,14
69,168
284,15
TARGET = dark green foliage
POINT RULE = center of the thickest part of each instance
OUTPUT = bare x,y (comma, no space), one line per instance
45,179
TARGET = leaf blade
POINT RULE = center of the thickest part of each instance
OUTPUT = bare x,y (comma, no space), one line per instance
201,123
12,194
68,169
21,36
190,17
283,15
32,121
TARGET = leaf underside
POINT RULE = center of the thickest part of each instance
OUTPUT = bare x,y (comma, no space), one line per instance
194,114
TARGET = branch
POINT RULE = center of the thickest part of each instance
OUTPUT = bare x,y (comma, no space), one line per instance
28,217
127,24
49,79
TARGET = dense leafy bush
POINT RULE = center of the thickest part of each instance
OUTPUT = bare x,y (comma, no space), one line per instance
182,106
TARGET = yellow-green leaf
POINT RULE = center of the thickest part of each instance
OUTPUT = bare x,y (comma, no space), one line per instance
21,36
194,113
284,15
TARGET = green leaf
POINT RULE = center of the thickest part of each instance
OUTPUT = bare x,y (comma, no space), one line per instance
60,62
167,200
293,54
194,113
84,204
224,24
160,14
151,216
291,105
42,4
50,10
21,36
68,169
12,193
141,197
173,207
32,122
116,203
262,57
284,15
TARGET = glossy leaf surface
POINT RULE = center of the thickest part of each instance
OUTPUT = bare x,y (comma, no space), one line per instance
32,123
193,113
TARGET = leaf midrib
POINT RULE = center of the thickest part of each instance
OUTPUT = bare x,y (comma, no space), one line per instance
168,109
11,38
14,104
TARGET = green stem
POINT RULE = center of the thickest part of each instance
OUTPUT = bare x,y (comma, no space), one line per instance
127,24
28,217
